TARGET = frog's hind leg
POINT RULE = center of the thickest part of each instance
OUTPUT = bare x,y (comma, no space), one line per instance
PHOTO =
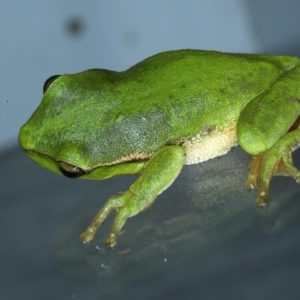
275,161
268,128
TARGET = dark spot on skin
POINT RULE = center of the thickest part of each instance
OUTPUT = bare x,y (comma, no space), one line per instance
208,128
75,26
295,124
293,99
222,91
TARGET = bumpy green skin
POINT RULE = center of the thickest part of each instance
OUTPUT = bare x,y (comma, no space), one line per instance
110,123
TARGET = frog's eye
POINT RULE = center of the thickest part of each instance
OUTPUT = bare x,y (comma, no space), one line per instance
48,82
69,170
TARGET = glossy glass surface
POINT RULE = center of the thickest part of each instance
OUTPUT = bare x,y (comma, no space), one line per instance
202,239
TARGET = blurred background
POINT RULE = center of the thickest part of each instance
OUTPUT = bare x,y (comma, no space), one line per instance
42,38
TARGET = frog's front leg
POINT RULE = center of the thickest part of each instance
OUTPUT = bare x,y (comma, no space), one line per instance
266,129
159,173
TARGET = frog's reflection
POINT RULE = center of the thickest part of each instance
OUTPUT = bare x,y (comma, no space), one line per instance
206,206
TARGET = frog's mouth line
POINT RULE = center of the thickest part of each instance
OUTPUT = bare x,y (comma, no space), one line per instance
131,157
73,171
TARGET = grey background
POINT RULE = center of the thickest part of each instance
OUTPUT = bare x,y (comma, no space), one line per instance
37,41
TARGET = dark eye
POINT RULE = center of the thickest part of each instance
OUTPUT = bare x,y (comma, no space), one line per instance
48,82
70,171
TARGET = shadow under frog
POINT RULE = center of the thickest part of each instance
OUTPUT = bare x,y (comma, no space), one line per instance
206,206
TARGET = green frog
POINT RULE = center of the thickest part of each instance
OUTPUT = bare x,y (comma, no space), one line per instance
172,109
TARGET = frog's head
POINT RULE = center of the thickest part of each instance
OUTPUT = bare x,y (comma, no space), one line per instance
63,135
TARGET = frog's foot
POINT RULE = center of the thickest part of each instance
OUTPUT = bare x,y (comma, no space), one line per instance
275,161
126,204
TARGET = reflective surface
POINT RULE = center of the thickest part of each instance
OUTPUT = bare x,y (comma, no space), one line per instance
203,237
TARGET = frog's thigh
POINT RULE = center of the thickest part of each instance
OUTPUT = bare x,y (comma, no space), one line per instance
267,118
